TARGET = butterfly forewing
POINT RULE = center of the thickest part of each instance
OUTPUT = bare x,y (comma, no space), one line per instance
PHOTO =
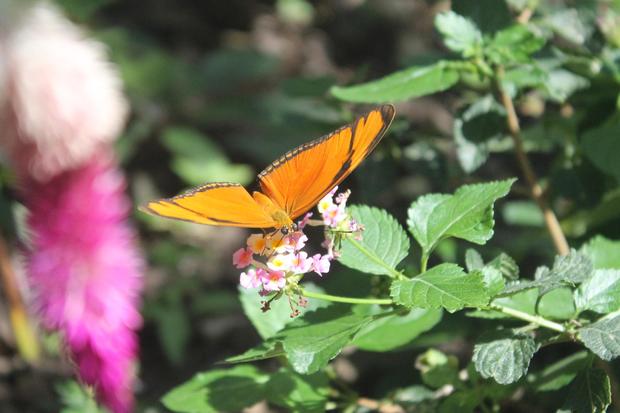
300,178
227,204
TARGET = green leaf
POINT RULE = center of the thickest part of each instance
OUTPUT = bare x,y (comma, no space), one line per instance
473,260
475,131
76,399
524,301
561,84
406,84
383,246
514,44
459,33
445,285
560,373
461,401
269,323
602,337
437,368
557,304
393,331
224,390
506,265
468,214
311,341
601,145
173,329
504,356
196,159
590,392
569,270
603,252
303,394
601,293
569,24
523,213
489,15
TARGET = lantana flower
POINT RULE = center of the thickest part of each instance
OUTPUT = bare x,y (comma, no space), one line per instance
284,262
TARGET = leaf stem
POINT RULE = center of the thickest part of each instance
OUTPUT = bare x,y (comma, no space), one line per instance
348,300
535,319
423,261
536,191
392,272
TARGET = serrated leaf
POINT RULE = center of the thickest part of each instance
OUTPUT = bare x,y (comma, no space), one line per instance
393,331
223,390
601,293
445,285
569,270
406,84
265,350
468,214
506,265
590,392
603,252
504,356
279,315
459,33
514,44
493,280
602,337
303,394
383,246
601,144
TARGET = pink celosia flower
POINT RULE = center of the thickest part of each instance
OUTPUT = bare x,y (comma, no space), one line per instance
62,99
85,269
242,257
253,278
273,280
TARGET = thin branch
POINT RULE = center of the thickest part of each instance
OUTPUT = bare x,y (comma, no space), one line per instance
25,337
348,300
536,191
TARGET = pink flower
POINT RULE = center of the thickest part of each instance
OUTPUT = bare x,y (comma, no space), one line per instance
320,264
242,257
85,270
296,240
300,263
334,215
252,278
304,221
62,99
273,280
280,262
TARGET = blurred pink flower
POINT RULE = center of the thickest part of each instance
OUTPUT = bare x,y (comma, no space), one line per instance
242,257
60,100
86,272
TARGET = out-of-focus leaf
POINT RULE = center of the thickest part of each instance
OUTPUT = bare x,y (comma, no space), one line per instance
303,394
393,331
437,368
459,33
514,44
460,401
383,246
569,24
227,70
590,392
504,356
603,252
522,213
402,85
601,144
489,15
279,315
75,399
482,122
561,84
222,390
559,374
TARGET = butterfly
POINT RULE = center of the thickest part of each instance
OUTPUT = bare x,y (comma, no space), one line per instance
289,187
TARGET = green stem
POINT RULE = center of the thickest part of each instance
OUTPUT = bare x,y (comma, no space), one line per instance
391,271
541,321
348,300
423,262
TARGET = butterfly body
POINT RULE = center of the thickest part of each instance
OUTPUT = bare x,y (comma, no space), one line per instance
289,187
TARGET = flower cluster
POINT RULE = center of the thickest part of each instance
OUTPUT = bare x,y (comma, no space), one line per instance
276,262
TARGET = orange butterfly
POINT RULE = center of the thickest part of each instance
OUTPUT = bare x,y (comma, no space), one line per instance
290,186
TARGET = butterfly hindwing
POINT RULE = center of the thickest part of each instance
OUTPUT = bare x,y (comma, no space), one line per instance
227,204
301,177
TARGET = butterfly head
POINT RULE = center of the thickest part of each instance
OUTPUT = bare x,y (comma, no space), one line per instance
289,228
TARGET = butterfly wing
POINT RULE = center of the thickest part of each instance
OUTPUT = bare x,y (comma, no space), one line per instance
226,204
299,179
